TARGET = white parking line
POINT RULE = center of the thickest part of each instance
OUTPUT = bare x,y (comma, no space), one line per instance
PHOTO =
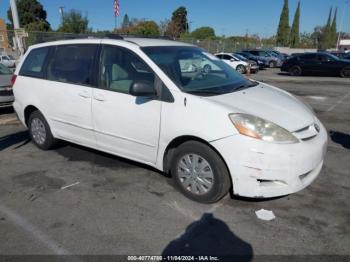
338,102
33,231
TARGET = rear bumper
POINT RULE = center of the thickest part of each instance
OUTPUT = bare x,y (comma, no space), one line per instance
262,170
6,101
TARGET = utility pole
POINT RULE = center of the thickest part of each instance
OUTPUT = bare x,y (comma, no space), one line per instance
16,26
341,23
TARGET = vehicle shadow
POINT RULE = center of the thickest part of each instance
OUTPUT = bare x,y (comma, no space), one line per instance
340,138
13,139
73,152
209,236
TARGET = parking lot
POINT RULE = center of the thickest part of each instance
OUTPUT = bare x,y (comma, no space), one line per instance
75,200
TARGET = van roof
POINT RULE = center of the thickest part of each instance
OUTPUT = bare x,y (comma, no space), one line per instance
139,41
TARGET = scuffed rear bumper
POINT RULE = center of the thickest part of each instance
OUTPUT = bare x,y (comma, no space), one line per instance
261,170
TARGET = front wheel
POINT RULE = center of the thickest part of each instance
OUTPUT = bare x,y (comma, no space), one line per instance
40,131
200,173
345,72
240,69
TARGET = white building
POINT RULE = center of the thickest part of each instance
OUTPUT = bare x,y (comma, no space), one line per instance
344,44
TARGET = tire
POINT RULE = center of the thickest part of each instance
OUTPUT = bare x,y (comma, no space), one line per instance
241,69
295,71
272,64
40,132
345,72
193,184
207,69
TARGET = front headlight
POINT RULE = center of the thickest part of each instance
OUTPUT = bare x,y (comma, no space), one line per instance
261,129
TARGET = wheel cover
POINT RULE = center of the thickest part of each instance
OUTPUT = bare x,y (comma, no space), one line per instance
38,131
346,72
240,69
195,174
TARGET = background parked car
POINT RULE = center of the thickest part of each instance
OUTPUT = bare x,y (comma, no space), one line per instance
239,65
317,63
254,68
8,60
6,94
272,59
262,62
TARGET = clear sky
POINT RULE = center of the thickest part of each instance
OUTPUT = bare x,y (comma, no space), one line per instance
229,17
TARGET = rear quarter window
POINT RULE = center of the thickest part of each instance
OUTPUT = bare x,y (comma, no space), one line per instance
33,66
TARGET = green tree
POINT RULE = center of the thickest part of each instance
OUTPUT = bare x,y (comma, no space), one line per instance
334,29
32,13
203,33
74,22
294,33
126,21
283,27
326,39
178,24
145,28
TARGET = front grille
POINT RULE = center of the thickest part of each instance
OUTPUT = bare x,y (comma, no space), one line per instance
307,133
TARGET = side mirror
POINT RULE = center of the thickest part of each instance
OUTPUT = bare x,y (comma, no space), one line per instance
232,60
142,88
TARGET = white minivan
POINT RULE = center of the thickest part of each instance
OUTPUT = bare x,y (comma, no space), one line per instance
212,130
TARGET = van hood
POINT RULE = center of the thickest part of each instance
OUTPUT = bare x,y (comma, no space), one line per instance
269,103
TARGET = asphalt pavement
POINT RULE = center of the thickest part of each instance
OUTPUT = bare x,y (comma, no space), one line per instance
75,200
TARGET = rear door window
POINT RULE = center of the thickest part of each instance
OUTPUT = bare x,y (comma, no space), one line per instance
309,57
73,64
33,66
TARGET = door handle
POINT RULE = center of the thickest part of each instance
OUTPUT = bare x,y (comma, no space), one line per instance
84,94
99,97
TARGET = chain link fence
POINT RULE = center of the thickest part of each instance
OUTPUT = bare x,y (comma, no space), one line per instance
210,45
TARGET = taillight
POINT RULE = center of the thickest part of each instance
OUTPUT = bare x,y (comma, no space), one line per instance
13,79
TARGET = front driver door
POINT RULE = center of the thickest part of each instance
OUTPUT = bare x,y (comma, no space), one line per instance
125,125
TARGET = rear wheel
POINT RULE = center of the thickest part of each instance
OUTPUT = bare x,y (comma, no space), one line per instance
345,72
200,173
295,71
240,69
40,131
272,64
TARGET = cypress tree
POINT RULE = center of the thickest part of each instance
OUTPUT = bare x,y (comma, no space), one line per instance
334,29
327,38
126,21
294,33
283,27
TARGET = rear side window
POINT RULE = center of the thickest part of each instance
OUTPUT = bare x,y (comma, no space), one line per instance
72,64
309,57
33,66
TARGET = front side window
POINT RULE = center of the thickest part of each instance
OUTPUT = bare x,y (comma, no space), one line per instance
120,68
72,64
211,76
33,66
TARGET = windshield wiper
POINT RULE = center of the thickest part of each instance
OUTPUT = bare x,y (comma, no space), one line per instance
245,86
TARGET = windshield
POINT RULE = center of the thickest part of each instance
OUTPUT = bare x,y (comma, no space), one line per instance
196,71
4,70
240,57
333,57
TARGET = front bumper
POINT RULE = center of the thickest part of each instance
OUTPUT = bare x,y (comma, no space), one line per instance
262,170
